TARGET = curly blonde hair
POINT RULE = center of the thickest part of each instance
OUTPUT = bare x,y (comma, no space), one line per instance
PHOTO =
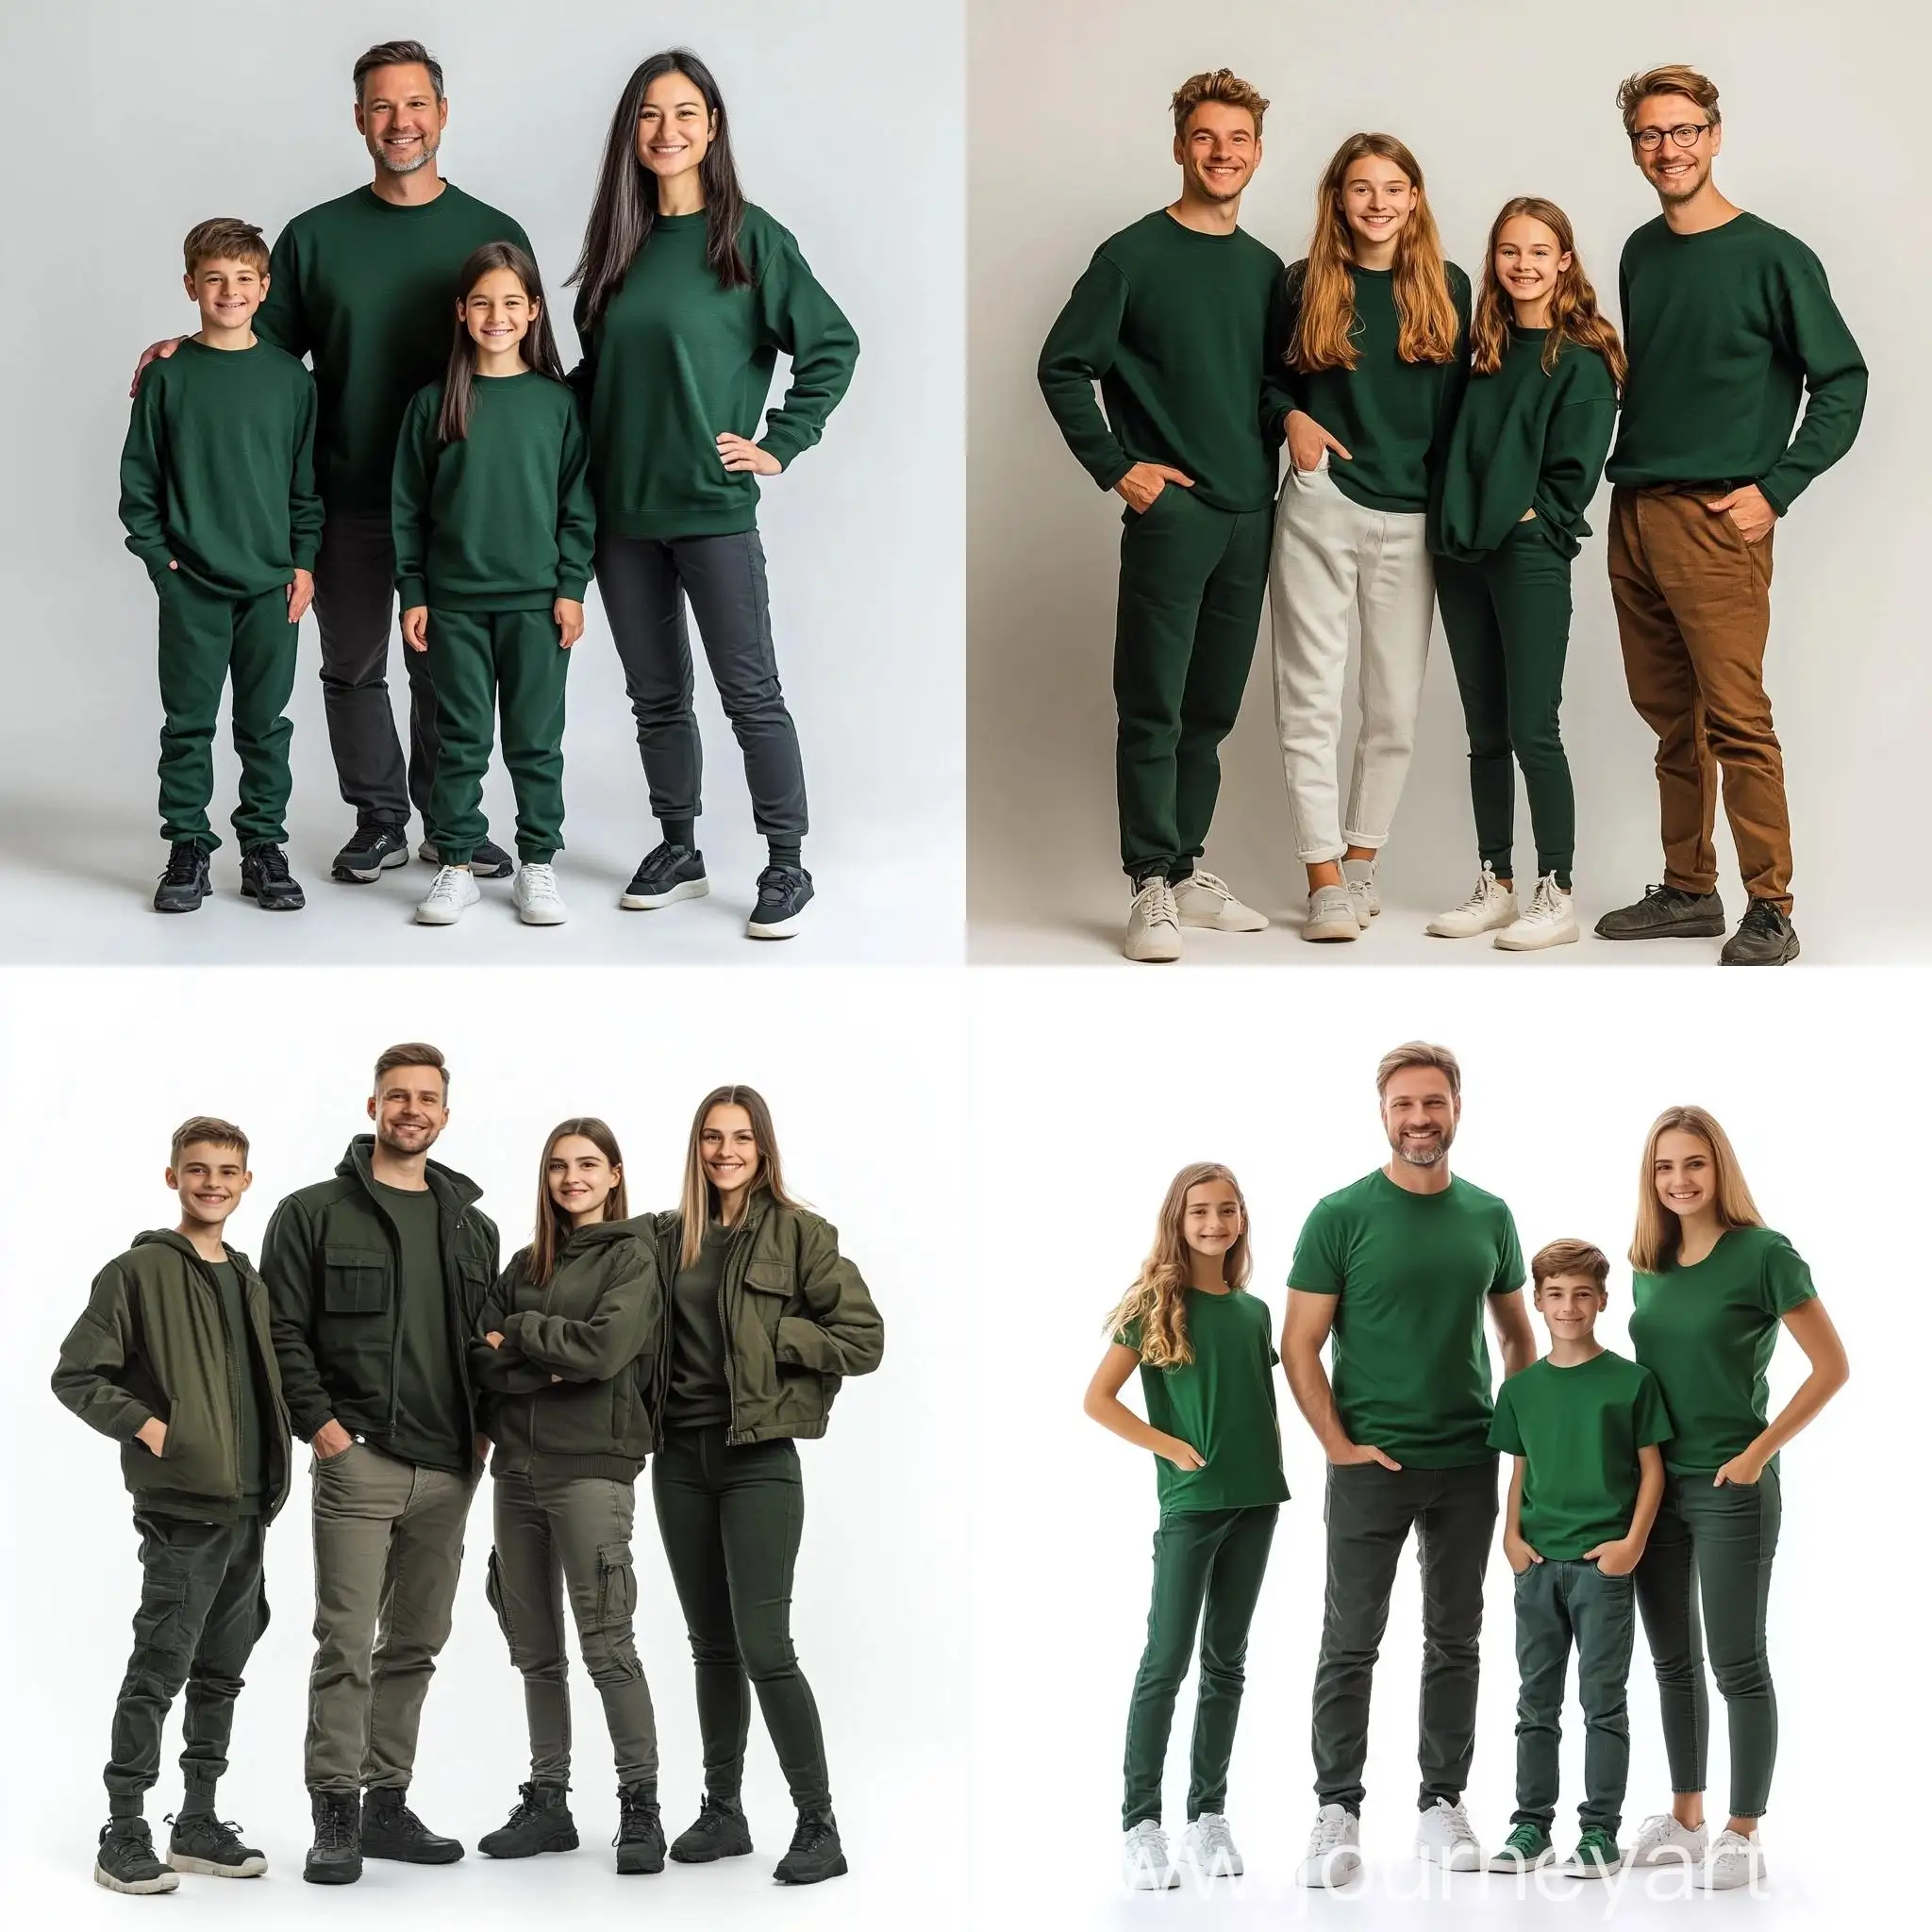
1157,1299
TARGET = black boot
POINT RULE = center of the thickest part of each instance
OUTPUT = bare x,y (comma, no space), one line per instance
639,1838
335,1857
266,879
815,1854
720,1832
126,1862
185,884
541,1822
391,1830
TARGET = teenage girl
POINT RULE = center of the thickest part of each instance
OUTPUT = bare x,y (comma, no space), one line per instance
1204,1348
1713,1286
493,534
564,1352
1524,460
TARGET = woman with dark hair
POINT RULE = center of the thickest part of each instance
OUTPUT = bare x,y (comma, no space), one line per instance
687,294
765,1318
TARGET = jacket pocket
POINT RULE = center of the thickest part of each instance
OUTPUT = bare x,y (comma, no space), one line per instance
354,1281
767,1286
617,1584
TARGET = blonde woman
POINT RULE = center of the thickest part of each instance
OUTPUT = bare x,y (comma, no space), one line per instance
1203,1346
1713,1287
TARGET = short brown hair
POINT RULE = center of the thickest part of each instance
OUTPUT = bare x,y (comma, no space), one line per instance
1419,1053
1224,84
204,1130
413,1053
398,54
225,238
1569,1258
1676,80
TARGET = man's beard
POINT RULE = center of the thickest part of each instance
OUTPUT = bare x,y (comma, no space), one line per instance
1422,1153
387,1138
425,155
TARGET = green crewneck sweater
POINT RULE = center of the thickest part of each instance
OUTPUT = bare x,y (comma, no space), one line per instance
675,361
501,521
367,291
1175,326
1525,439
1726,331
1393,417
216,473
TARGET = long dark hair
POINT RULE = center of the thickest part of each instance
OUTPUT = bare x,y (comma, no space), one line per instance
625,208
553,1225
540,345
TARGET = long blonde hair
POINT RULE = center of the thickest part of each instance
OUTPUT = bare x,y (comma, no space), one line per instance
1425,309
1573,314
1157,1299
1659,1232
699,1203
553,1225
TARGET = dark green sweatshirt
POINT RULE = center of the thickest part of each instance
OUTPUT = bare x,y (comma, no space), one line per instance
675,361
1175,326
1525,439
1393,417
367,291
217,471
502,519
1726,331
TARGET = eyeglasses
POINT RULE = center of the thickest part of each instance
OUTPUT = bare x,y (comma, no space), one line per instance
1685,134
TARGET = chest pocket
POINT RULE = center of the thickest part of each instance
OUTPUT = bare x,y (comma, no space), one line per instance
354,1281
768,1291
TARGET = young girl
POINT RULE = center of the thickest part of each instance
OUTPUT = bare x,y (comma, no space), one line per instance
1713,1287
493,535
765,1318
566,1348
1201,1345
1529,443
1375,322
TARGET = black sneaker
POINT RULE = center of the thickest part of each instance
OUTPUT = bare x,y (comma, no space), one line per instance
721,1831
784,893
814,1855
541,1822
126,1862
639,1838
668,874
335,1857
212,1847
373,850
391,1830
265,879
185,884
1764,938
488,861
1666,912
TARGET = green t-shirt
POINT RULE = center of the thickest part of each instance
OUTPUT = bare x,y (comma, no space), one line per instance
431,1429
1222,1404
1578,1431
1707,1332
699,1394
251,1448
1411,1274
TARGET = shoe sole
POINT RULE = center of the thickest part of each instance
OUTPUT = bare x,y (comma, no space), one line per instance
332,1875
1698,929
294,905
416,1858
1221,1867
208,1868
1652,1863
1590,1870
1436,932
348,875
1430,1856
1147,957
1705,1884
650,902
1506,1865
1143,1881
678,1857
437,919
1328,935
136,1888
1331,1877
776,928
836,1870
541,918
1199,925
195,907
1784,958
563,1842
634,1870
1505,944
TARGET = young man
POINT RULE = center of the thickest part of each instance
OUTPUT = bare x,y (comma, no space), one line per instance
172,1359
1727,320
1173,319
1398,1271
376,1278
1583,1426
363,286
218,500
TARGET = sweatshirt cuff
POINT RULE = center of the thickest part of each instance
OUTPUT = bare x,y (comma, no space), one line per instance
411,591
304,554
156,566
1775,494
782,443
572,588
1109,477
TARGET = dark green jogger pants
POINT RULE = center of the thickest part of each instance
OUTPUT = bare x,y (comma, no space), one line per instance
481,662
1508,623
1193,580
206,641
1208,1571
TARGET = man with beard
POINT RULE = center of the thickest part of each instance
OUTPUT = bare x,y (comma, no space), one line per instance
365,287
1173,319
1397,1270
375,1279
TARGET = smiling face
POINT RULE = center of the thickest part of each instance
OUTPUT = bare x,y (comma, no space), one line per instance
410,1109
1676,173
1211,1217
728,1148
674,127
1377,199
399,117
209,1181
1569,1304
1419,1113
227,291
497,311
1220,150
1528,260
1685,1172
580,1178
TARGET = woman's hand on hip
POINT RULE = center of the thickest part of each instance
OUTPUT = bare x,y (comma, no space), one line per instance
739,453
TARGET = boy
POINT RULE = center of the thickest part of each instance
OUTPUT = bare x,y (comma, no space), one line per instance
1584,1424
218,499
172,1358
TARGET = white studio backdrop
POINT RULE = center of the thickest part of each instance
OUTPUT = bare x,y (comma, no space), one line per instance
866,1087
1070,140
143,121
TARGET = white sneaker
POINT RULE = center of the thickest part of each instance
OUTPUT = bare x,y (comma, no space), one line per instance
1358,876
1154,926
1204,900
450,893
1334,1853
1144,1862
1732,1860
1331,915
1208,1847
539,903
1491,906
1549,922
1442,1836
1661,1841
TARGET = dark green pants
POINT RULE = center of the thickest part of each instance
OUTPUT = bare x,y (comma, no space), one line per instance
480,661
731,1519
207,641
1561,1606
1193,580
202,1608
1370,1512
1508,623
1208,1571
1712,1548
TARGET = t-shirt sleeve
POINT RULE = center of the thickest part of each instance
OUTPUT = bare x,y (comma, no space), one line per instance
1504,1433
1128,1337
1786,1280
1509,1277
1320,1264
1652,1418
